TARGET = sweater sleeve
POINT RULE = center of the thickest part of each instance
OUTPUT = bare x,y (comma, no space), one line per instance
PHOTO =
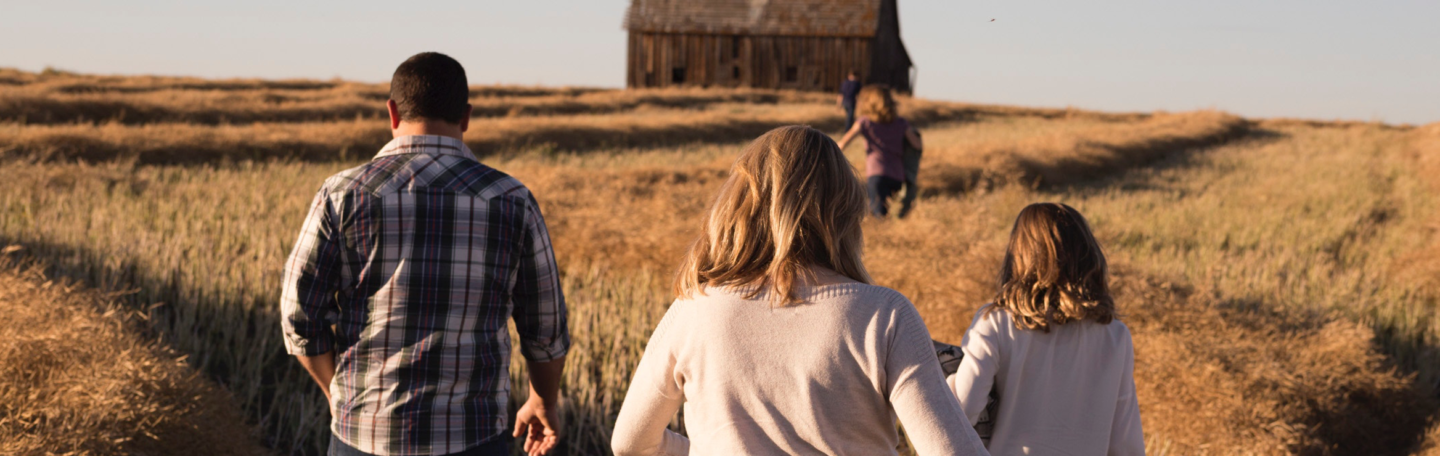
976,376
932,418
654,397
1126,436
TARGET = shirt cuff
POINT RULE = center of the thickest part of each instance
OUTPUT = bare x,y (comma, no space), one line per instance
542,352
297,345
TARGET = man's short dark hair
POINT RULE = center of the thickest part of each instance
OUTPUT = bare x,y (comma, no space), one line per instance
430,86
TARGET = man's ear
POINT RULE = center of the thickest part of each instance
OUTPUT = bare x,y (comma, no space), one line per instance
465,121
394,110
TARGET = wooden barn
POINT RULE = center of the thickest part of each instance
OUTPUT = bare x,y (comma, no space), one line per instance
774,44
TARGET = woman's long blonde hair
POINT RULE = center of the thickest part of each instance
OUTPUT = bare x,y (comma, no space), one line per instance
1054,272
877,103
792,202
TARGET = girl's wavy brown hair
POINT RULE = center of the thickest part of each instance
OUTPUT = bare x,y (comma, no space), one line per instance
877,103
1054,271
792,202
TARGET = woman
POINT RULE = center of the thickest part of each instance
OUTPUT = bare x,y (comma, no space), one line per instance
777,343
1049,347
885,136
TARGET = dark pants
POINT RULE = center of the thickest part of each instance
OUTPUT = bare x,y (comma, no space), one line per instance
498,446
912,180
881,189
849,115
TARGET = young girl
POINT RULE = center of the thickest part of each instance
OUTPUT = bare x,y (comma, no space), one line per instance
885,137
777,342
1059,364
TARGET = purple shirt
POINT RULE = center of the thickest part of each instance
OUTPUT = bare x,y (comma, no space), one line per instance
884,147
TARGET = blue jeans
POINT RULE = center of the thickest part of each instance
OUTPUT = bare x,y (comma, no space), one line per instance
499,446
849,115
881,188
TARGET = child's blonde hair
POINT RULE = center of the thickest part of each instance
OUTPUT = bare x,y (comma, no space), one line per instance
792,202
1054,271
877,103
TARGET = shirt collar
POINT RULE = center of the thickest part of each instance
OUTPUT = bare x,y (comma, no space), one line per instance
426,144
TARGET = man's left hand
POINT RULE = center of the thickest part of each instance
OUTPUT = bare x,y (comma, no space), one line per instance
539,423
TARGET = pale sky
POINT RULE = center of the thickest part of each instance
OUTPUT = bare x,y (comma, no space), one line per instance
1322,59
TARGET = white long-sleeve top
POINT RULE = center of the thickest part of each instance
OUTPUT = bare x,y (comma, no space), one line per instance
826,376
1067,392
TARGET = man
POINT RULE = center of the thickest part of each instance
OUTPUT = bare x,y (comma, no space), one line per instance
417,258
849,89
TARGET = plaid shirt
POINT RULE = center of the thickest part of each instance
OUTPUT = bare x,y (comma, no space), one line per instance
418,258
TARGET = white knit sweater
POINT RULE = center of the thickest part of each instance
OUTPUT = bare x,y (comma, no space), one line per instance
1067,392
827,376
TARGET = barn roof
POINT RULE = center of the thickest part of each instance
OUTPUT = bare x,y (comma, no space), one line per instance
755,17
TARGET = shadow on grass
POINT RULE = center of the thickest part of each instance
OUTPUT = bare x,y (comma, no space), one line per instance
1177,159
1237,373
1086,163
233,340
1349,412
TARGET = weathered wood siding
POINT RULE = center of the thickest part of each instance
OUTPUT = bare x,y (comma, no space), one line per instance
759,61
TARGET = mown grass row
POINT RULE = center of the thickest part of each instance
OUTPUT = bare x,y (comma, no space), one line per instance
66,82
1068,157
79,376
167,143
31,106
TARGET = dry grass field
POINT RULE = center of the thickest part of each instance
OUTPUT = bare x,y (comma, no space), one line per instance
79,378
1280,277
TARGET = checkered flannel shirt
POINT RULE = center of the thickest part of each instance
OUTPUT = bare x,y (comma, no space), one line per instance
417,258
